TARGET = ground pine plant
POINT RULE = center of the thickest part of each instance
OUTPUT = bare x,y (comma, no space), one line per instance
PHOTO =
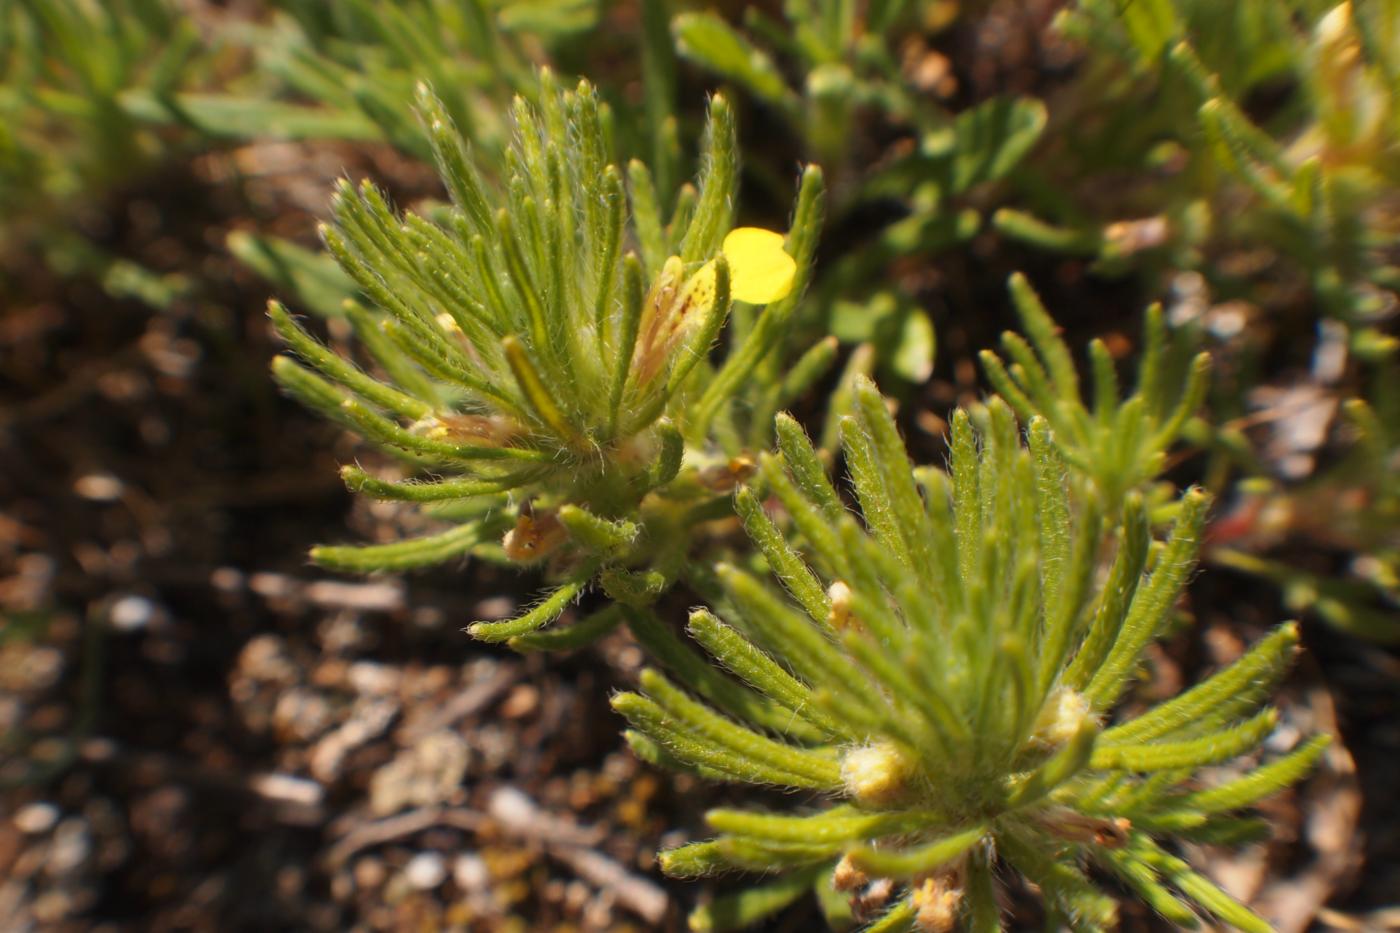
537,353
1118,444
939,675
947,665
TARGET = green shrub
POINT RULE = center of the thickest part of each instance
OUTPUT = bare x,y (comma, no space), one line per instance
946,668
555,379
943,670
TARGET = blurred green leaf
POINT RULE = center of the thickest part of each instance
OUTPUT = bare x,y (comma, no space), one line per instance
548,17
992,138
313,278
707,40
227,116
912,359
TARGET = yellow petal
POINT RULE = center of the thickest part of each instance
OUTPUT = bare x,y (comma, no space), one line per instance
759,270
699,290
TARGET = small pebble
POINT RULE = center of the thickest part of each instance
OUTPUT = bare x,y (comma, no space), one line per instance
72,844
98,487
470,873
369,873
370,678
425,871
132,613
40,668
227,579
302,713
36,818
429,617
496,607
521,702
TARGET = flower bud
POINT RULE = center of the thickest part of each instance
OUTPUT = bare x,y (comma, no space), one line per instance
847,877
840,614
493,430
876,774
1059,720
725,477
533,537
936,901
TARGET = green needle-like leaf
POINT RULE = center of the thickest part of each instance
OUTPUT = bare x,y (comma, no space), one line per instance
919,860
401,555
1191,753
782,558
570,637
1249,678
742,909
841,824
1151,602
357,480
759,670
698,675
702,750
807,768
545,612
1260,782
598,534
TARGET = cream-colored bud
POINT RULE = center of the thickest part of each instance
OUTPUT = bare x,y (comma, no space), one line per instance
1335,27
491,430
877,774
661,323
534,537
872,900
725,477
847,877
840,614
1061,717
1109,832
936,902
1128,237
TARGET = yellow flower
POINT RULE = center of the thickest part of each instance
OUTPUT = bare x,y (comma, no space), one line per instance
760,272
